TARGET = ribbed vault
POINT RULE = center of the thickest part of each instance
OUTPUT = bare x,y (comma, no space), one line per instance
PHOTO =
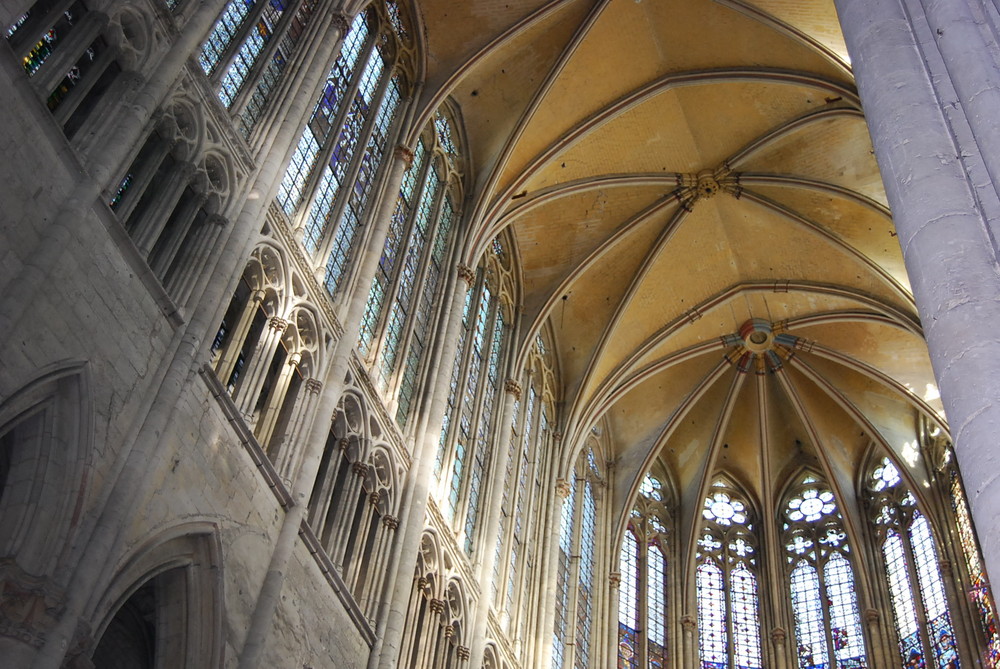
682,178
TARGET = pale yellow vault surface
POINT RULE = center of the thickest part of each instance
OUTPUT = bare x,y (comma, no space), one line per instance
671,169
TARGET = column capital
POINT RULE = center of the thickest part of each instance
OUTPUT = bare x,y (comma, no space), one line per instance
222,221
688,623
343,443
360,469
404,153
778,636
449,631
615,579
872,617
294,359
373,498
341,22
277,323
463,653
437,606
314,386
466,274
563,488
945,567
513,387
390,522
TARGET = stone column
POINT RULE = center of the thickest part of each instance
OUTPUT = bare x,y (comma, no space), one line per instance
689,628
486,556
778,637
258,367
69,50
392,621
877,642
614,592
148,229
184,216
288,457
276,399
231,352
181,282
948,249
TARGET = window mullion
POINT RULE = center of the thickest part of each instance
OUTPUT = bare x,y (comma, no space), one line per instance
264,57
328,142
336,212
393,283
236,43
423,266
473,446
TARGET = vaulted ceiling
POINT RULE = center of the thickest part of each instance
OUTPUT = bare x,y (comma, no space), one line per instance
699,218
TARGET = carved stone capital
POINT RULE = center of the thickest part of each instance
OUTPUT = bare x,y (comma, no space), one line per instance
688,624
513,387
614,579
278,324
463,653
343,443
373,498
360,469
221,221
466,274
778,636
29,605
449,631
563,488
872,617
341,23
405,154
390,522
437,606
314,386
422,583
945,567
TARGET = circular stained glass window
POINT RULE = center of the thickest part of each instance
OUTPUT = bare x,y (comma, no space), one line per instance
811,506
722,509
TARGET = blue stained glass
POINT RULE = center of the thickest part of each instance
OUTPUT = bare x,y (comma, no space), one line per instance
322,120
456,371
248,53
628,602
585,586
711,616
810,631
223,33
358,197
903,606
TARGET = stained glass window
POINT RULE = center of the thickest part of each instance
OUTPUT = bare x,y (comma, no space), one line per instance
726,582
916,587
223,33
828,628
642,598
979,590
563,576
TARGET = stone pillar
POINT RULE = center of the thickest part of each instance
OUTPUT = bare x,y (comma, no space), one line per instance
258,367
181,282
148,229
231,352
276,399
183,219
614,592
778,636
877,642
947,246
69,50
392,622
689,628
288,457
486,556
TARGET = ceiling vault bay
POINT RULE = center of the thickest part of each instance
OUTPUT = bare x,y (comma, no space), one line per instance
671,170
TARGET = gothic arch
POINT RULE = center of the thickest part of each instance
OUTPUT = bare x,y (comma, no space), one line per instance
46,439
180,568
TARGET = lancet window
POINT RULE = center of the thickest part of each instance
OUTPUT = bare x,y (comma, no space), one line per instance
905,538
247,50
468,434
513,567
818,564
68,56
642,593
405,288
727,581
333,172
575,606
